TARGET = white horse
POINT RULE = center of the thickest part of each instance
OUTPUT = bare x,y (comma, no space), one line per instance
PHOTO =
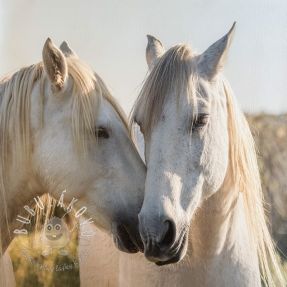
61,129
203,203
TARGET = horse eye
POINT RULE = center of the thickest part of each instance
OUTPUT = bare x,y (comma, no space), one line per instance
200,121
102,133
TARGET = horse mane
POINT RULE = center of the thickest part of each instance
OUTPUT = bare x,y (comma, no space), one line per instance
245,175
88,90
173,74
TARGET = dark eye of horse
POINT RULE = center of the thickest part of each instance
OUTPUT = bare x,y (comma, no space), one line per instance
102,132
200,121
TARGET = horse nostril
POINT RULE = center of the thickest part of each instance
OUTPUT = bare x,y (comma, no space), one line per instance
168,234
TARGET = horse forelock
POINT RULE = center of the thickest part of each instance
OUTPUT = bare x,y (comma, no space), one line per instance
172,74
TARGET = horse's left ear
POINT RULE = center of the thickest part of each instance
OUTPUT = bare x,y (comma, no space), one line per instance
67,51
154,51
55,64
212,60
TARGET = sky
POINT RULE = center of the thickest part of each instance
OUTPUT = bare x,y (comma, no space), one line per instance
110,36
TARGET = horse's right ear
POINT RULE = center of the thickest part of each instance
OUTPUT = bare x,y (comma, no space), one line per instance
67,51
212,60
55,64
154,51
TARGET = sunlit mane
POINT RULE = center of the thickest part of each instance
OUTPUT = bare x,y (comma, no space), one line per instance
174,74
244,172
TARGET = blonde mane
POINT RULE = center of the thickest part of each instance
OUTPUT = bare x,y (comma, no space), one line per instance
173,73
88,90
245,175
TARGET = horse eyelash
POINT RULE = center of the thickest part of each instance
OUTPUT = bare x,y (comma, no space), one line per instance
202,116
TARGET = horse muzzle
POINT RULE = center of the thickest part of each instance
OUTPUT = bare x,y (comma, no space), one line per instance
163,242
163,256
127,238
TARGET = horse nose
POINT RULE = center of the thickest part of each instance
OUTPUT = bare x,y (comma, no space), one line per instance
158,237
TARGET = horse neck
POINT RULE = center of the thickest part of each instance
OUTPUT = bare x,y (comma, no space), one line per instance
216,223
219,240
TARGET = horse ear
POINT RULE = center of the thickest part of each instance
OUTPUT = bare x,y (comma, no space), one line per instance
154,51
67,51
55,64
212,60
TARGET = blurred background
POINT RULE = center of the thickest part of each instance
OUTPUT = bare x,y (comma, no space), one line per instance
110,36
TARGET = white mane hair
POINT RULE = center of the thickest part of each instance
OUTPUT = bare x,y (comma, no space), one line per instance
173,72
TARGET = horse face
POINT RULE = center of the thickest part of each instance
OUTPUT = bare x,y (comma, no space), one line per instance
186,149
108,175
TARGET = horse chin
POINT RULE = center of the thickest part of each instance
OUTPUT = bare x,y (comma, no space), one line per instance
125,240
179,255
